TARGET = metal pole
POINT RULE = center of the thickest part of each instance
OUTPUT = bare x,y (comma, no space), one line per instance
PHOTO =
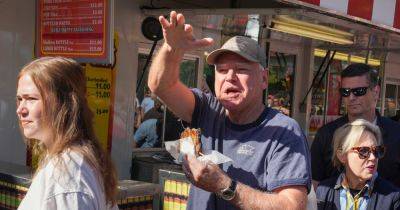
326,95
315,76
163,125
145,66
368,51
264,31
326,85
383,81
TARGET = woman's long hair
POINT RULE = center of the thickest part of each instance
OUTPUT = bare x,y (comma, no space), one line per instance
62,85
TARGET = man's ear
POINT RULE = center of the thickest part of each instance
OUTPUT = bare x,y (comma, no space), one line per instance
265,76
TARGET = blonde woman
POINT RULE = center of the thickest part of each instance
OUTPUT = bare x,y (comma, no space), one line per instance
75,172
357,147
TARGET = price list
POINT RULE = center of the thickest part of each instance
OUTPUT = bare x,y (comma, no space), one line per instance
73,28
98,90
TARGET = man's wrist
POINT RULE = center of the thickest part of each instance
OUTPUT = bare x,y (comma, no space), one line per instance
173,51
229,192
224,183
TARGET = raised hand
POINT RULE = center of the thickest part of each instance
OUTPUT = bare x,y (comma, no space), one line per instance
179,36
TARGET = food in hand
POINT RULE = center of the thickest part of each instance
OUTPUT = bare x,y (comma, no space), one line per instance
194,134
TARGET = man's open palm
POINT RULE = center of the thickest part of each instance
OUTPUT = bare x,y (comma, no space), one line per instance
179,36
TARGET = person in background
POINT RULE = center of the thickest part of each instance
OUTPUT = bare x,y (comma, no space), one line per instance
270,100
137,103
148,101
138,118
74,171
360,92
157,112
138,114
271,168
148,135
357,147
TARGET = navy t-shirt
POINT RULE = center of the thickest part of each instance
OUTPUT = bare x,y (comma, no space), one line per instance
267,154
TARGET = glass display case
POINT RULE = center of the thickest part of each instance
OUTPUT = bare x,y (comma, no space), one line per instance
280,82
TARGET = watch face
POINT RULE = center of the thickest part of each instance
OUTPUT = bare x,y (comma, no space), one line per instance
229,193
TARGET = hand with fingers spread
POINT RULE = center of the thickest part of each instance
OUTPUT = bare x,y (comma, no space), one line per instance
179,36
205,175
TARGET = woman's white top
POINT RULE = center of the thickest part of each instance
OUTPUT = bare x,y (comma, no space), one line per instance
72,185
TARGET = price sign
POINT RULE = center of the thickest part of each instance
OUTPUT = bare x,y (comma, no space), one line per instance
75,28
99,87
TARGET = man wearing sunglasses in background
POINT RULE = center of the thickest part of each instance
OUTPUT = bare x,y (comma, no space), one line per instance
360,92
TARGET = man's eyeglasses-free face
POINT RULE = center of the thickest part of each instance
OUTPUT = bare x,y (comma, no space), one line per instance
359,91
365,152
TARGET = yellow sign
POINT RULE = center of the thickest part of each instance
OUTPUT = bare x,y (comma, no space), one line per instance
99,89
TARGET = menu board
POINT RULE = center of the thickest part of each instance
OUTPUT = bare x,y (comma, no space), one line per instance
99,89
79,29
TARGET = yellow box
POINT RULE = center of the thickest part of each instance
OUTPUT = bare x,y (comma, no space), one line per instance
166,203
185,189
179,188
177,204
173,187
167,185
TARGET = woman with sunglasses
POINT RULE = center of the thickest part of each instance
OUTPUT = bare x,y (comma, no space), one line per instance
357,147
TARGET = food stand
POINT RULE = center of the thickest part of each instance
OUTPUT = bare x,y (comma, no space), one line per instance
124,51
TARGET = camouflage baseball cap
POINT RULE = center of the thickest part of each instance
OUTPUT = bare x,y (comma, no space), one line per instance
243,46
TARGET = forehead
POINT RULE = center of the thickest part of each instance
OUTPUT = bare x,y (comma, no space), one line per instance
230,57
353,82
26,85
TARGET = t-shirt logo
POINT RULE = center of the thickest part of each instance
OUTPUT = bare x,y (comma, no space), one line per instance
245,149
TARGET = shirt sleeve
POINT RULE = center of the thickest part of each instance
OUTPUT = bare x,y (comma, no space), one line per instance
289,164
198,107
396,202
206,108
71,200
317,157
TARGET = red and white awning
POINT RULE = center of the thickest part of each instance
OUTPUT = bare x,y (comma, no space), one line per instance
378,12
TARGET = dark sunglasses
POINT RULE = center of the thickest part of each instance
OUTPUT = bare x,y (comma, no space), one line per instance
360,91
365,152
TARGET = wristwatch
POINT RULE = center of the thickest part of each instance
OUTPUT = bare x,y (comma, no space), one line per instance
229,192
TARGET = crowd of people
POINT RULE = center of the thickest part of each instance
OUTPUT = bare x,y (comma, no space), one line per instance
148,122
354,161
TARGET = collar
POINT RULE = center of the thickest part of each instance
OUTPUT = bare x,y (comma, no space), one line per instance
376,120
241,127
368,187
